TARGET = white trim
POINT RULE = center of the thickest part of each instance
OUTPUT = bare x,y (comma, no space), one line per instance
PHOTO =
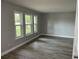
75,42
59,35
7,51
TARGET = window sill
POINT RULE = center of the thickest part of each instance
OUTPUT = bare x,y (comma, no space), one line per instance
25,36
19,38
35,32
29,34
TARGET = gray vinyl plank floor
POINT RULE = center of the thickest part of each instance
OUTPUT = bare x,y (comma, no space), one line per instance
44,48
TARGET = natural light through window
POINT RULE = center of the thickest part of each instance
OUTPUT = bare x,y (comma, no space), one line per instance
28,24
18,24
35,23
25,26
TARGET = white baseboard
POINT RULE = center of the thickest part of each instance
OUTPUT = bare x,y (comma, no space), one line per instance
59,35
5,52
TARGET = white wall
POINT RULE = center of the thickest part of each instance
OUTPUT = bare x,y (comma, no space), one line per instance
60,24
8,39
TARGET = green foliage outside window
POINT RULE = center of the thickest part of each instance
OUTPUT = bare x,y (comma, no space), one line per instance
18,20
18,31
28,19
28,24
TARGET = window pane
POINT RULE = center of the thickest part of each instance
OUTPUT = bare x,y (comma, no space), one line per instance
18,31
35,19
35,28
17,18
28,19
28,29
18,24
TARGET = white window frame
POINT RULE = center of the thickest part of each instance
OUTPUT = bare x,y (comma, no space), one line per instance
29,24
35,24
22,33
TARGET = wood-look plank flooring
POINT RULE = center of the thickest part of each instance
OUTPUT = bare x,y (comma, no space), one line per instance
44,48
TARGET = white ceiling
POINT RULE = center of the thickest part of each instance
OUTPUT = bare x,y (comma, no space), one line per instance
48,5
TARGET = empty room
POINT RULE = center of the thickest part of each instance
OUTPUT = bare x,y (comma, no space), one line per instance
38,29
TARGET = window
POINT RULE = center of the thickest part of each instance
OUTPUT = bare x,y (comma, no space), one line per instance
25,26
18,24
35,23
28,24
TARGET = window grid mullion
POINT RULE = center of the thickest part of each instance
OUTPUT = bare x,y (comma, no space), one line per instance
20,24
